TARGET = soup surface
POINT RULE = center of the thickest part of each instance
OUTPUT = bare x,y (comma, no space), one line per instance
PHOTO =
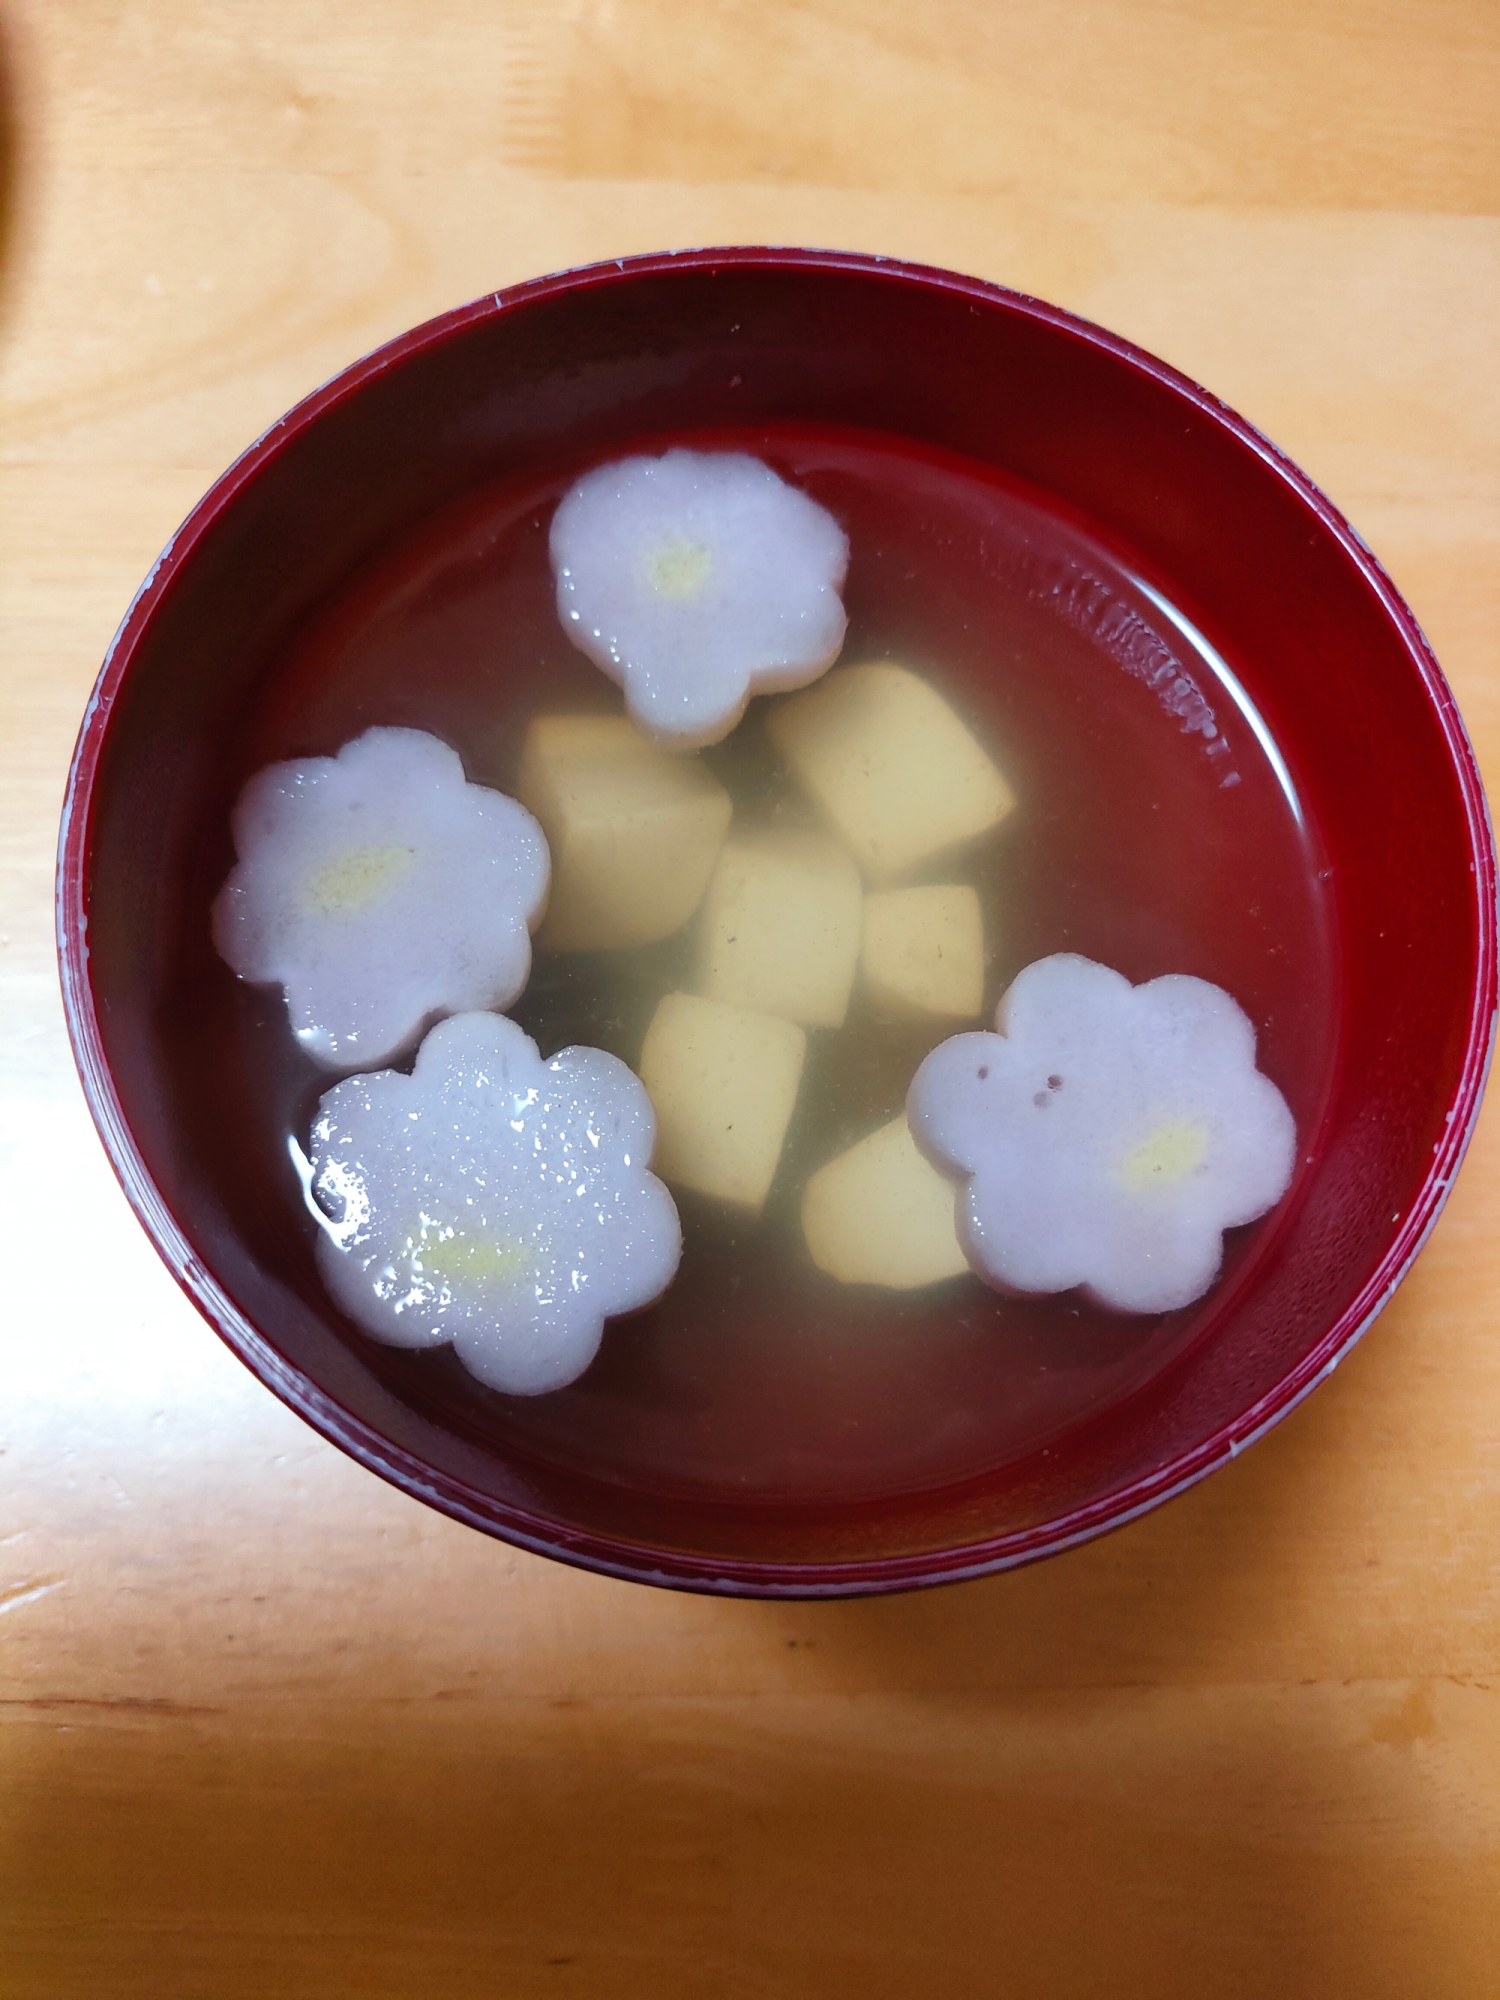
1157,831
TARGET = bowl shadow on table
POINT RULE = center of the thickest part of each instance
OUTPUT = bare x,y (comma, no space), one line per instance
1096,1776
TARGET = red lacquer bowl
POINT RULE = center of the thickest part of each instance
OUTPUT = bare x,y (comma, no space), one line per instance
583,364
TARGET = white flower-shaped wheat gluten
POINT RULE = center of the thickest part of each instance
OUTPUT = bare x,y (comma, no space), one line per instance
1106,1136
493,1200
696,580
379,889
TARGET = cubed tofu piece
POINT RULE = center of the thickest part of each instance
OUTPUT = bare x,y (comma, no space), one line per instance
723,1083
880,1214
781,927
896,774
923,950
634,831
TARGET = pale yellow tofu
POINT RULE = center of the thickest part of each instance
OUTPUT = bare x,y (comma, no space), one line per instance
923,950
634,830
881,1215
781,927
723,1083
898,776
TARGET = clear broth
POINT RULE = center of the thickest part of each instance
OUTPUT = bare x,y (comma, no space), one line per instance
1158,831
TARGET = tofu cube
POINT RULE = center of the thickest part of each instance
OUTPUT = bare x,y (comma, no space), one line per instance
634,831
923,950
896,774
880,1214
723,1083
781,928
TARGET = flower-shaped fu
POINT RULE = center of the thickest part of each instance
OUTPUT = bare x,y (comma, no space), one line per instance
1108,1134
493,1200
696,580
380,889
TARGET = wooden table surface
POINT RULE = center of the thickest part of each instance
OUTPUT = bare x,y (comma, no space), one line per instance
271,1728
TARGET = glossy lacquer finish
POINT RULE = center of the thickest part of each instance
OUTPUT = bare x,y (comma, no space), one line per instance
1330,660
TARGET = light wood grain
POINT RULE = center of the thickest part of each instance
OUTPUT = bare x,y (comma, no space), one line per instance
267,1727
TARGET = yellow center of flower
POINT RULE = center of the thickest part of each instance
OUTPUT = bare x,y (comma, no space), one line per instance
458,1261
1164,1157
354,880
678,568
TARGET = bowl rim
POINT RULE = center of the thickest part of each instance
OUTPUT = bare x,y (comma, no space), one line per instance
621,1557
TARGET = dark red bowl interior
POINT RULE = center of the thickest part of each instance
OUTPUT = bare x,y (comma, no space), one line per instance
585,363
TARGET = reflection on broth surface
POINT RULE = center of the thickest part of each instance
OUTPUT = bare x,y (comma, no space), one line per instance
1155,830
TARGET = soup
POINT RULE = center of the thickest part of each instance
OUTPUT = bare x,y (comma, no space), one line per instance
1157,830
